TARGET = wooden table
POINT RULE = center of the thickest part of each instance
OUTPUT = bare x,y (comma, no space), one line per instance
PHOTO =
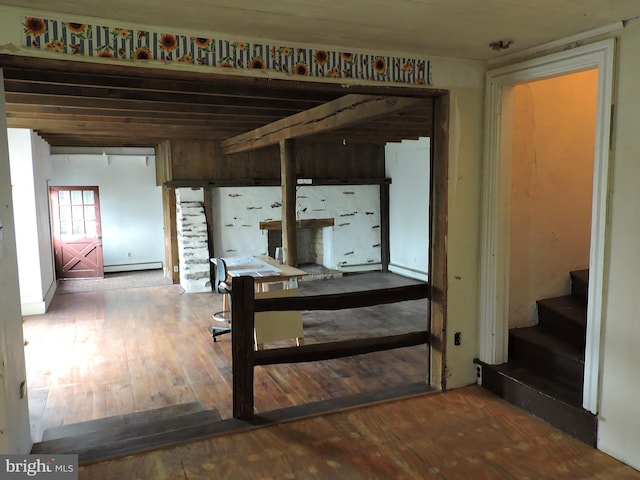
271,326
264,270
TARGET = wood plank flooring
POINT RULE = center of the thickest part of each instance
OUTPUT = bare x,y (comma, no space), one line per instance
115,351
462,434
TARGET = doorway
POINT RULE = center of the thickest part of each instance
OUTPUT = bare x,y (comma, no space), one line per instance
552,133
77,233
495,247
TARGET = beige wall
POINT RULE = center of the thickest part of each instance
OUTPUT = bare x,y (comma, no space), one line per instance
463,251
552,175
619,425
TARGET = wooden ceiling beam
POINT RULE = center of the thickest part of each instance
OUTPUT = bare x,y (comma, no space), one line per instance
347,110
138,105
213,122
164,86
173,96
178,132
22,110
73,140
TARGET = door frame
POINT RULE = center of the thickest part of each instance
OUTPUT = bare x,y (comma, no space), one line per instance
496,208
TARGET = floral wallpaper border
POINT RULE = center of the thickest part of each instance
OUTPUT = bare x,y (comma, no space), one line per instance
100,41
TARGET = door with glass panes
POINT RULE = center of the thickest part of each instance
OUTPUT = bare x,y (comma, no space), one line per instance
77,236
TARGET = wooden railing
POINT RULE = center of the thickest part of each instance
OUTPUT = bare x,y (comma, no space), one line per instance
244,306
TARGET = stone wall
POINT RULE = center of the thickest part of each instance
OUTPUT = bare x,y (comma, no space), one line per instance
193,246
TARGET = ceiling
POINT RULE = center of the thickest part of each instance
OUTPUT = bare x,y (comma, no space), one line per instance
97,105
450,28
82,104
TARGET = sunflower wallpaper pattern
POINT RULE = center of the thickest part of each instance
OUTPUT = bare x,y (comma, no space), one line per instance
127,44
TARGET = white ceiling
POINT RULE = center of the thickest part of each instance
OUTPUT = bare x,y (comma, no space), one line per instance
457,28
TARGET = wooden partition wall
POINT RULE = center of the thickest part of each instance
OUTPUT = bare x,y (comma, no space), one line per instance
245,359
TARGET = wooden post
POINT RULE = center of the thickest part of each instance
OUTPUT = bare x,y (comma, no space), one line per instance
170,234
438,242
288,181
242,354
385,251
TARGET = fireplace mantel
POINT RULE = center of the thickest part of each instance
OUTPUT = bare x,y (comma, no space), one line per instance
309,223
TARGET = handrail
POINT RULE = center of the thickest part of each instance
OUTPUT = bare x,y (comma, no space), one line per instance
344,348
340,301
244,306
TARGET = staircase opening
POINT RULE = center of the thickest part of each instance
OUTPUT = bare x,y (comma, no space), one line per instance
550,144
553,136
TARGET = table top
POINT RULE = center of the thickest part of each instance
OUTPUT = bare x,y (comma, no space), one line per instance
262,268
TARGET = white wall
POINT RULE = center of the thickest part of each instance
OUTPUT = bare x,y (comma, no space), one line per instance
30,169
619,416
407,164
552,181
354,239
42,175
14,411
130,205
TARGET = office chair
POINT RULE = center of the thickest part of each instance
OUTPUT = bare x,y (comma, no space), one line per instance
221,286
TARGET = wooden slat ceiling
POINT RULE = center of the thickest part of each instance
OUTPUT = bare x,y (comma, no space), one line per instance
71,103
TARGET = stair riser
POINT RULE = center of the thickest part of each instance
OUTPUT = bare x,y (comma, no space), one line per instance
579,287
546,362
575,422
562,327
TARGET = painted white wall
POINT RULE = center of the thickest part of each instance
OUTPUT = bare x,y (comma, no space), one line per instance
15,436
619,416
355,237
552,181
408,165
130,205
30,170
41,178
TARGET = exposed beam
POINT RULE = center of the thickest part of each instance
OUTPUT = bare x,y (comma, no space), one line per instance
158,105
240,90
149,95
341,112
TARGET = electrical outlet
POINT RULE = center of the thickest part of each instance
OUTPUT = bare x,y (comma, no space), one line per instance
176,268
457,340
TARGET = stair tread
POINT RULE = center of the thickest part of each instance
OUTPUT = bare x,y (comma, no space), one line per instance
105,437
557,390
117,421
568,306
549,342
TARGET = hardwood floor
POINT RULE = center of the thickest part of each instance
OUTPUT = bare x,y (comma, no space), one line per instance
464,434
115,351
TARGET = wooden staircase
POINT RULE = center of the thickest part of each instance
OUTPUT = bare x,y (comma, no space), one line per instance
545,371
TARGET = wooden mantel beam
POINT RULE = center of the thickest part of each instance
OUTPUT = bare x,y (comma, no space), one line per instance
338,113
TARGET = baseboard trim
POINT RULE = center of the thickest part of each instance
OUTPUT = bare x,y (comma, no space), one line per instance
131,267
360,267
408,272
